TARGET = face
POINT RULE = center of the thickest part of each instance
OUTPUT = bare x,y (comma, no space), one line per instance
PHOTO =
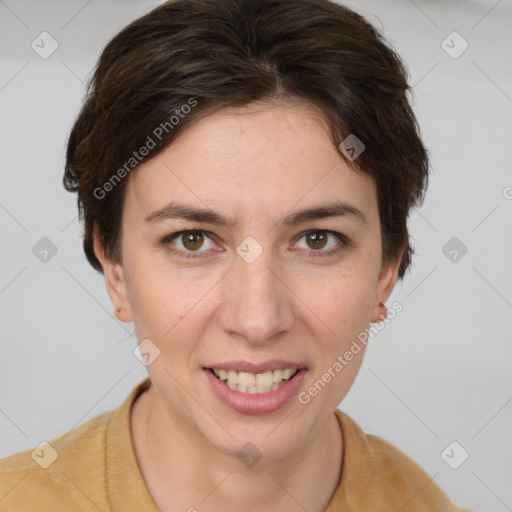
249,299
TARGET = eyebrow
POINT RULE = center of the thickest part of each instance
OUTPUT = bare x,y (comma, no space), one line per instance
176,210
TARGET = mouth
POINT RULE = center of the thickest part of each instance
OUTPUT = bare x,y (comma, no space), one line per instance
256,388
254,383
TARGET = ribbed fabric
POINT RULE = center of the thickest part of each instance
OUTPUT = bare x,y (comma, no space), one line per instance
96,469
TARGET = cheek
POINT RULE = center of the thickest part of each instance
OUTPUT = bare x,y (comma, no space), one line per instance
341,311
341,301
168,305
150,299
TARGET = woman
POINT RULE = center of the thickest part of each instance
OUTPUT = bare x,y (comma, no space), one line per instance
244,172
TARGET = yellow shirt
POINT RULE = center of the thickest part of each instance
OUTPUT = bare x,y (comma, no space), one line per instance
96,469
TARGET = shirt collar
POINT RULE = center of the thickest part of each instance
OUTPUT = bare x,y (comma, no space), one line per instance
126,487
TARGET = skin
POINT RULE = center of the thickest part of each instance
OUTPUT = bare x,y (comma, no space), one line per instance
255,164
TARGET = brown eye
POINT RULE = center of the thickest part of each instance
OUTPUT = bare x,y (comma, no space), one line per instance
322,242
189,243
316,239
192,240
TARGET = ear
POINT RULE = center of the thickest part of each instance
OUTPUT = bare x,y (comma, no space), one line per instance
114,280
385,284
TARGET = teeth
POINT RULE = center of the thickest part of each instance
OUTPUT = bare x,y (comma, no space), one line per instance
252,383
288,373
264,380
246,379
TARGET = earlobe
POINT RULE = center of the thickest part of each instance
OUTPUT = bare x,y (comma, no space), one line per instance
114,281
382,313
387,280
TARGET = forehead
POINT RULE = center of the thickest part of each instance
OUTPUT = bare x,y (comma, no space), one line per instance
250,160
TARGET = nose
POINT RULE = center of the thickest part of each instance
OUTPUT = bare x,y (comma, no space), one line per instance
257,304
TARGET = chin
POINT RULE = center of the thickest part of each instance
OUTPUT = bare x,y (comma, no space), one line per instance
251,444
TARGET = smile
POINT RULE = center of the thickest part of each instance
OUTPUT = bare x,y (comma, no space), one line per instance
255,383
252,388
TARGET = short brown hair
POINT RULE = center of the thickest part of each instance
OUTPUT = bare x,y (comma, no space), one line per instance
220,53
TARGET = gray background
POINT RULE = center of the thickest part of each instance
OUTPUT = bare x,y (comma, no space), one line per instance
439,372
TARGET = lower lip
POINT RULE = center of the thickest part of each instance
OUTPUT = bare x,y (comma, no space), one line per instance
258,403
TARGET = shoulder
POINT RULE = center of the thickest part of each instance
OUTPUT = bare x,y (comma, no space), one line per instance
44,477
388,475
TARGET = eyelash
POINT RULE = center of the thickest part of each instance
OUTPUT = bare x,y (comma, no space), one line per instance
166,242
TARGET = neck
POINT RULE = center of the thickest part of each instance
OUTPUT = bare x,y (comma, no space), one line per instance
205,476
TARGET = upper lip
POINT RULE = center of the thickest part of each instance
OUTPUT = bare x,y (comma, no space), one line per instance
267,366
